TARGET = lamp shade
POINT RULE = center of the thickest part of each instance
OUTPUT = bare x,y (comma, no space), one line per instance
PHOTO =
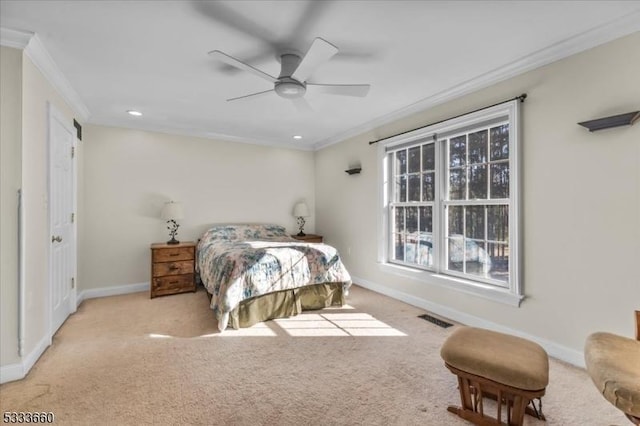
301,210
172,210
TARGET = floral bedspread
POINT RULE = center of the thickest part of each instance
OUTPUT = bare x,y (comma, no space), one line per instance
238,262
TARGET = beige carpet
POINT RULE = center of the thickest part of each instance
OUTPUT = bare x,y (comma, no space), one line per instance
129,360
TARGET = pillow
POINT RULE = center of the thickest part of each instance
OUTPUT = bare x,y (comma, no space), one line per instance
244,232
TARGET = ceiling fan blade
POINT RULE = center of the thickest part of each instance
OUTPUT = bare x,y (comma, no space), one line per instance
359,90
319,52
241,65
302,104
253,57
228,17
252,95
313,12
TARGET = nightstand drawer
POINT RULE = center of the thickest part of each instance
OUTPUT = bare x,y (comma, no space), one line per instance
173,268
172,254
173,284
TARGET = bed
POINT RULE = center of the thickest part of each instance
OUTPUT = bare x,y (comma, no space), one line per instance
254,273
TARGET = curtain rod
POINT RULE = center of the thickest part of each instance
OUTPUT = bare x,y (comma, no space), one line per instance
522,97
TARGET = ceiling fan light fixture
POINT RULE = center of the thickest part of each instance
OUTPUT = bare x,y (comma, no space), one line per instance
134,113
290,88
298,137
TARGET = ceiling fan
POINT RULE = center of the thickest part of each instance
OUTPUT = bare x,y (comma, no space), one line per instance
295,69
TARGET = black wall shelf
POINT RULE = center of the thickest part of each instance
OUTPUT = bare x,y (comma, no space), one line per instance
354,171
614,121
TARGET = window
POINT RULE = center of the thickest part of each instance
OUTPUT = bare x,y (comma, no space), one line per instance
450,210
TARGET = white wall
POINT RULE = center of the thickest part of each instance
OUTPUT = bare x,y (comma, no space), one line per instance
581,201
129,174
10,182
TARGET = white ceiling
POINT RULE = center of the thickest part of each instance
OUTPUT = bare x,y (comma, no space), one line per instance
151,56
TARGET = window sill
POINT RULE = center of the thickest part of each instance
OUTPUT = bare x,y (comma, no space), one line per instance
486,291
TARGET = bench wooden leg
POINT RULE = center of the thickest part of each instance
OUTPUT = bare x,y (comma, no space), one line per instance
473,389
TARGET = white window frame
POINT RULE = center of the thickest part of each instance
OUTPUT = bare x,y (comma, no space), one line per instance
511,293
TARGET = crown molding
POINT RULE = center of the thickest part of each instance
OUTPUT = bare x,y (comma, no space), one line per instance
34,49
605,33
41,58
14,38
203,134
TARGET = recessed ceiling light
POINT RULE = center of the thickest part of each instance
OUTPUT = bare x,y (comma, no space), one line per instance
134,112
297,137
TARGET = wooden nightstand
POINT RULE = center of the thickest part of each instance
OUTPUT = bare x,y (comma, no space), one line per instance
172,268
309,238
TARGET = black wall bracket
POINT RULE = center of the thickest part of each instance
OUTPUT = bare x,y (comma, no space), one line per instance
78,129
614,121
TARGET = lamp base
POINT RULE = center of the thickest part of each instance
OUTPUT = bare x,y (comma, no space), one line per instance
173,241
301,234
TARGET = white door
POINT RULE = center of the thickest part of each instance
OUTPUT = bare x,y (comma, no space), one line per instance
62,218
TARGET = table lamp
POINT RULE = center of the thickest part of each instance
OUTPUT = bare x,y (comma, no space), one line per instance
171,212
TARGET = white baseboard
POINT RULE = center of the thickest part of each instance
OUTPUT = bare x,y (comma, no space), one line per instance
33,356
554,349
111,291
17,371
13,372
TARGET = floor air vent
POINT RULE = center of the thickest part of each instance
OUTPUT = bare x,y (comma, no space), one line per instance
435,321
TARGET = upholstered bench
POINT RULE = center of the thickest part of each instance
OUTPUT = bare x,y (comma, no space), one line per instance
509,369
613,362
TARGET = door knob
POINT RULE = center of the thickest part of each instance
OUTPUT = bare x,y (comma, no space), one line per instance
57,238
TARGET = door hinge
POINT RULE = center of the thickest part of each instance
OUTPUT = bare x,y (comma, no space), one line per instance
73,151
73,282
73,217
